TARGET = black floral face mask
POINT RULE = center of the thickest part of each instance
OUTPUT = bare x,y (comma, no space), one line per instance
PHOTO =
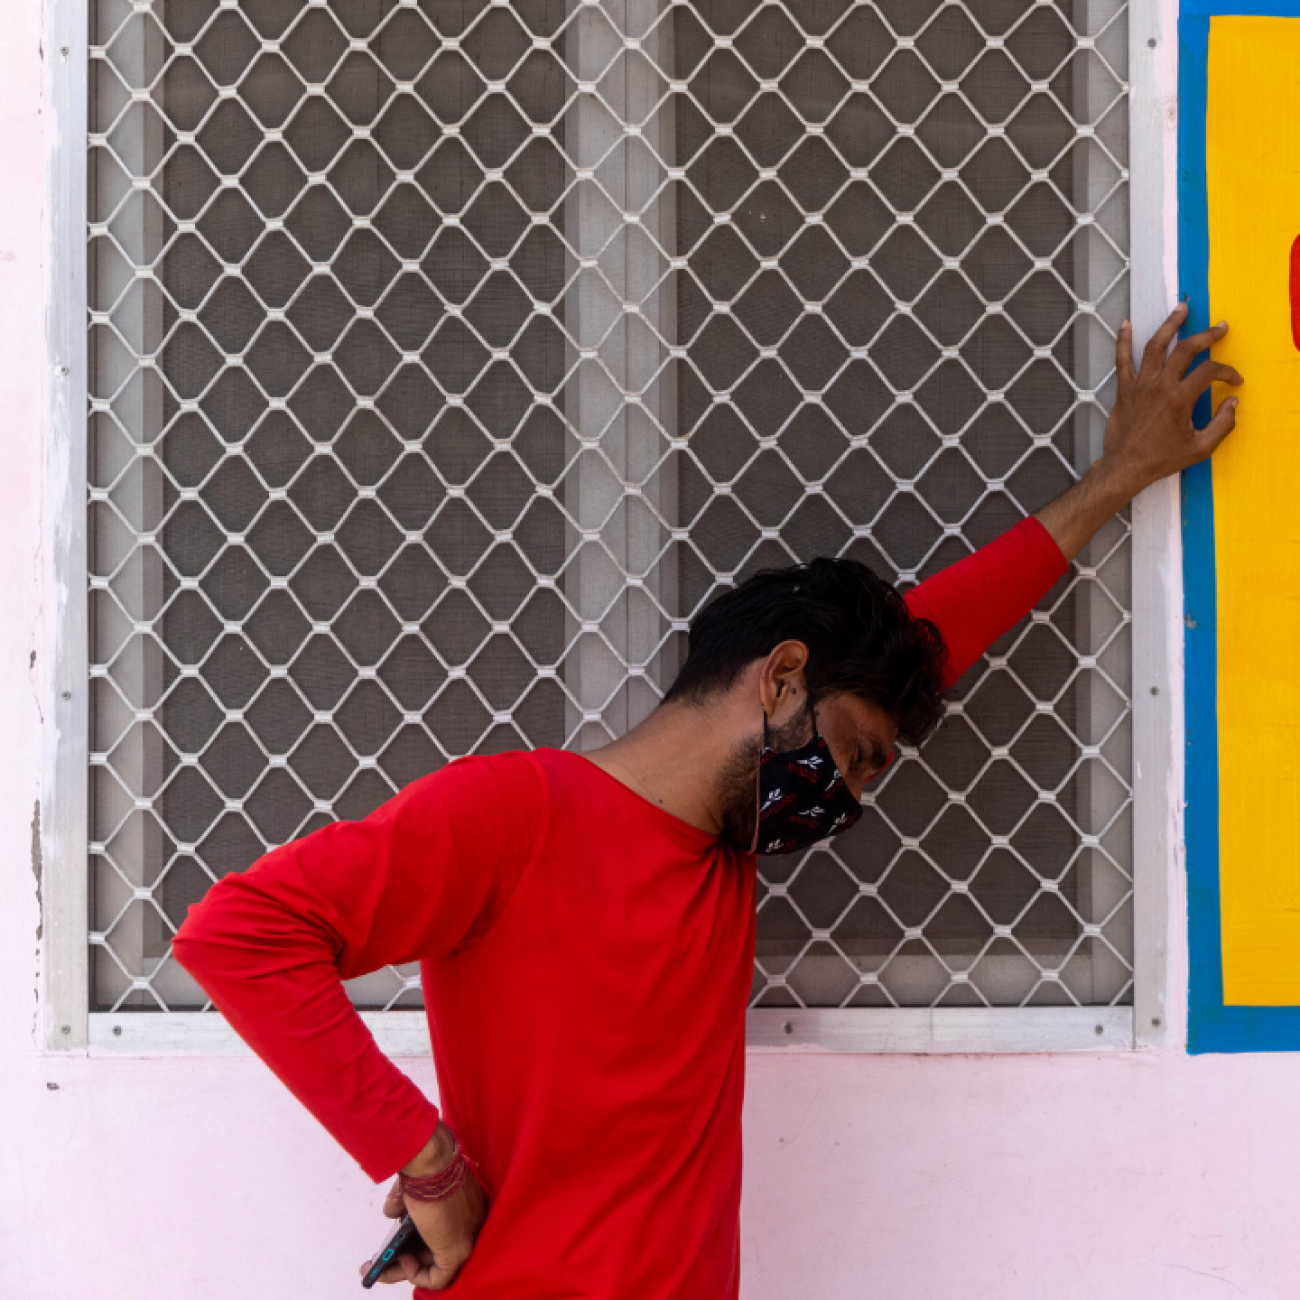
802,797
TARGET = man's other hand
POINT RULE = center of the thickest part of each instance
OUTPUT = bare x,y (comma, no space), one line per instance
1150,433
448,1227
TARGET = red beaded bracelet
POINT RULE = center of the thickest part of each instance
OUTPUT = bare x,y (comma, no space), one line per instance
437,1187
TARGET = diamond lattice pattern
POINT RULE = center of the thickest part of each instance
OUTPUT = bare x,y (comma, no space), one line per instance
447,356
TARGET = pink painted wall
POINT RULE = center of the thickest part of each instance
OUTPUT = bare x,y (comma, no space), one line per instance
1148,1176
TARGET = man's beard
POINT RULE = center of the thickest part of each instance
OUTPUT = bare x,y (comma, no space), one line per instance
738,780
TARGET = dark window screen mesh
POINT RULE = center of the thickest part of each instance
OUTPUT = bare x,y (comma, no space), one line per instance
446,358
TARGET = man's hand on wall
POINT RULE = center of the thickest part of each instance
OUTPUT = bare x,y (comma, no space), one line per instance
448,1227
1150,433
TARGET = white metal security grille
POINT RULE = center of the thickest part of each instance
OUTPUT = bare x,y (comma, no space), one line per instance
447,356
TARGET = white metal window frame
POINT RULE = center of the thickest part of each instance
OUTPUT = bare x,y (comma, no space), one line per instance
1157,602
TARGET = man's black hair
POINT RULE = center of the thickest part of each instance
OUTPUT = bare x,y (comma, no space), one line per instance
861,638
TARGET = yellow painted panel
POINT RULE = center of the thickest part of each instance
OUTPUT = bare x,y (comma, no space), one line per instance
1253,188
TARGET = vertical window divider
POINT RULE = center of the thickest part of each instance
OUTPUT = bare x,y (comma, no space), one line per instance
619,446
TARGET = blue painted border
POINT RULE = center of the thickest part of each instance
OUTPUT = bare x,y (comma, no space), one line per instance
1212,1027
1241,8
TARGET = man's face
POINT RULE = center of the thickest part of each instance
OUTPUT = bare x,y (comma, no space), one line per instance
860,736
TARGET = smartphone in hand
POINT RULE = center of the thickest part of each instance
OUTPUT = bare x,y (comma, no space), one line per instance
404,1237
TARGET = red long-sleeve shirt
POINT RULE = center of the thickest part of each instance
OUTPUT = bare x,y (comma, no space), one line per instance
586,962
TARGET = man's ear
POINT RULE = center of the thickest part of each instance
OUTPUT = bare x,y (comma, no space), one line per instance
782,687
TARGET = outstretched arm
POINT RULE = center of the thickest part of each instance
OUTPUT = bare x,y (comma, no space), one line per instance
1149,435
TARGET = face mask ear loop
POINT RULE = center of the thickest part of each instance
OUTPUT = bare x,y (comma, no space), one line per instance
758,785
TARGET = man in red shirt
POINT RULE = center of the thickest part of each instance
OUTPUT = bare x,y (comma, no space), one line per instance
585,924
